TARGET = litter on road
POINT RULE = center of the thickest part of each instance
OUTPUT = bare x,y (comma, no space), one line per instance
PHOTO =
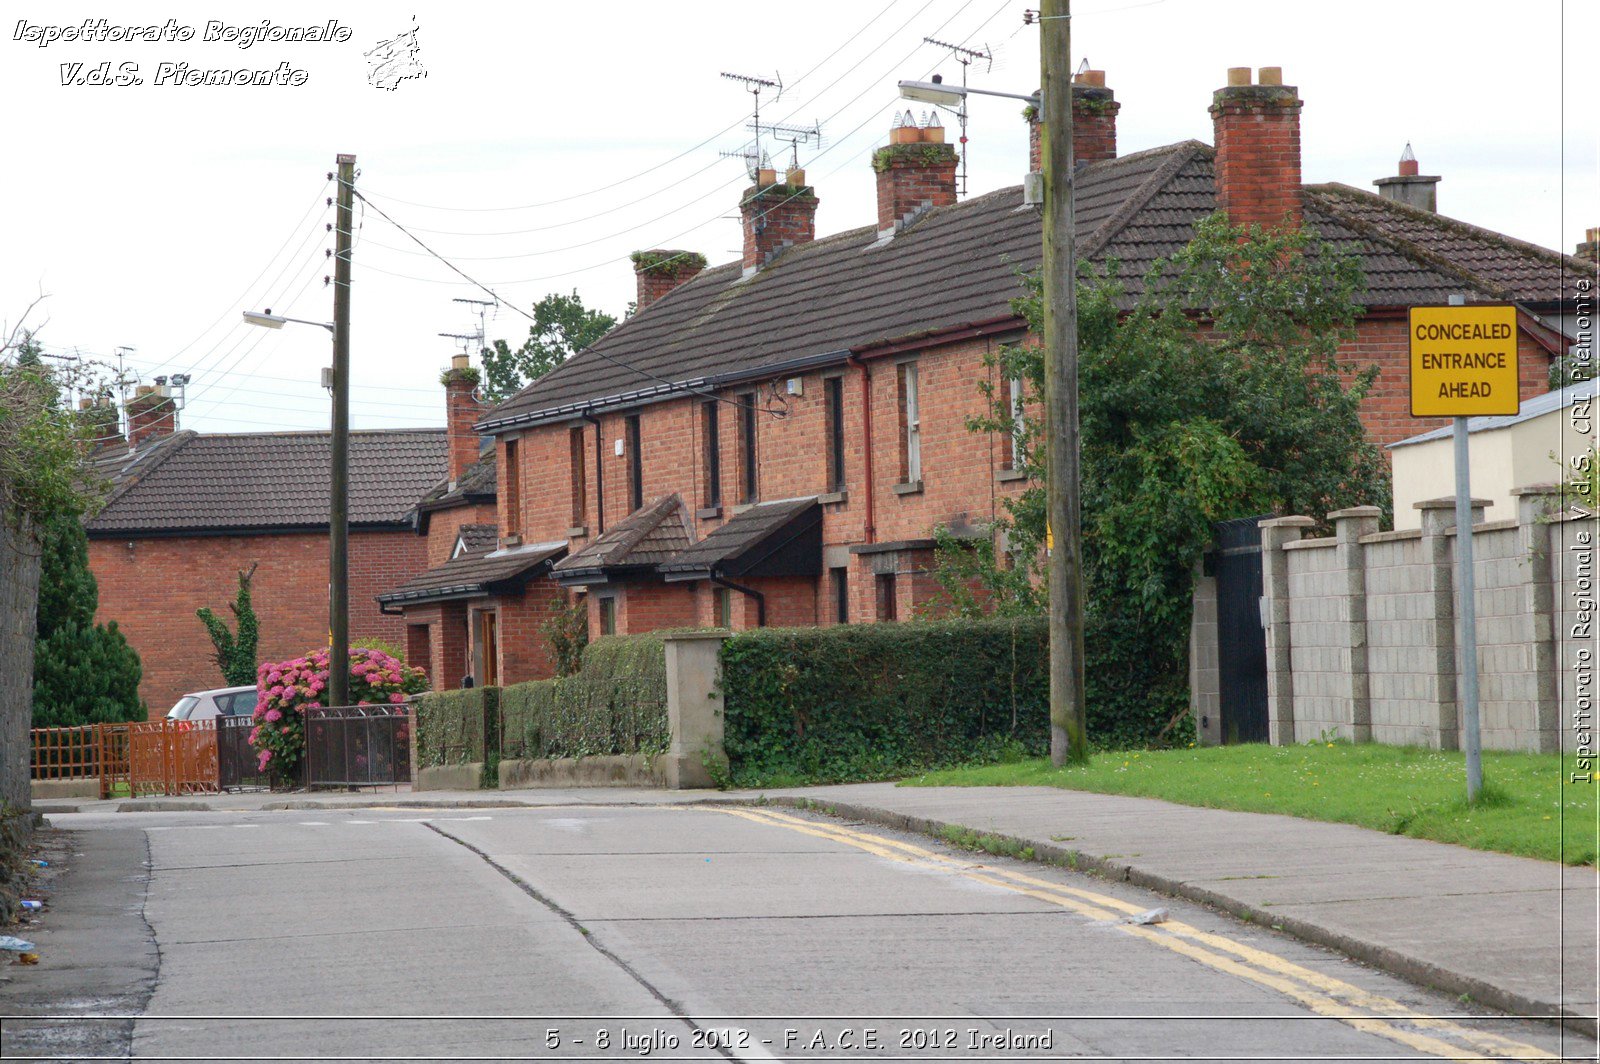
1149,916
12,944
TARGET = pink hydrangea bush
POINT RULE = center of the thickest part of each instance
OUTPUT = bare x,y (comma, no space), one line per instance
286,689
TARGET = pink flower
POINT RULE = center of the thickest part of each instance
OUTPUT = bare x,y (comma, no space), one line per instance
261,762
254,732
284,730
272,715
397,697
311,705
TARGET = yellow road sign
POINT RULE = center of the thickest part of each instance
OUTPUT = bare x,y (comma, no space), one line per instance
1463,360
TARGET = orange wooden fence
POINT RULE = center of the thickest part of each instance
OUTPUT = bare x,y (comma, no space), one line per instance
154,757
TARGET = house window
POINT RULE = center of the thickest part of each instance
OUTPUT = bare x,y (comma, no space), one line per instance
833,388
608,615
910,424
580,500
749,482
712,438
840,578
512,490
1014,439
635,465
724,608
887,610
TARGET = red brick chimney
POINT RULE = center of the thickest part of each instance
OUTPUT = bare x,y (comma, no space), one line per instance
150,415
1410,187
462,409
1094,123
660,270
916,171
776,216
1258,148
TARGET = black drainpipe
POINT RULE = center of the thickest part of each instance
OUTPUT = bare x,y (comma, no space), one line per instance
761,600
599,473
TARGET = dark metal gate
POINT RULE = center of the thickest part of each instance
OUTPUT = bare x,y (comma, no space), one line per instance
358,746
1241,640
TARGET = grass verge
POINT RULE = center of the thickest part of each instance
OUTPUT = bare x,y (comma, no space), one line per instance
1528,806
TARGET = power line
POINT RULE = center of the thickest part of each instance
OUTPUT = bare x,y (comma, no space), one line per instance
686,152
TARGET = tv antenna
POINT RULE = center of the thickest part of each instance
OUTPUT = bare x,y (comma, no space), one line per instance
481,309
794,136
966,57
754,85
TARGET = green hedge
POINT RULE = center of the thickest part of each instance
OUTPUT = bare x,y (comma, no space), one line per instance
453,726
616,703
872,701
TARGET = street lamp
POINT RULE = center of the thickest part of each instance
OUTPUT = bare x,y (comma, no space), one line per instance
1053,105
268,320
937,92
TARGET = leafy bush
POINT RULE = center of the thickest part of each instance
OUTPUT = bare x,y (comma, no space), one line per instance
1186,419
456,727
616,703
286,689
856,702
236,652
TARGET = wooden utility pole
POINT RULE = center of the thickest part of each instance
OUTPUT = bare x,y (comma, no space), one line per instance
339,502
1068,731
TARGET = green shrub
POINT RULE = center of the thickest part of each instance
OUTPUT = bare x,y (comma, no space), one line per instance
858,702
616,703
452,726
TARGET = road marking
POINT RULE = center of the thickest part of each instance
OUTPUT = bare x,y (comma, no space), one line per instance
313,823
360,821
460,819
1323,994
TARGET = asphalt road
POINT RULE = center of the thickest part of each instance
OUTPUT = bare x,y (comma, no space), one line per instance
669,932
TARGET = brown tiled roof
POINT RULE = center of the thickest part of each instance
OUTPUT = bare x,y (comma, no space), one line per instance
1500,266
746,540
479,573
477,483
476,539
121,467
959,265
272,481
647,537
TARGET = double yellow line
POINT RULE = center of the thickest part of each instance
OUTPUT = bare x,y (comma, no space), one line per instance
1322,994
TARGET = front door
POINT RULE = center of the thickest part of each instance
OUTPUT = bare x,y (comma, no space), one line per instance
489,648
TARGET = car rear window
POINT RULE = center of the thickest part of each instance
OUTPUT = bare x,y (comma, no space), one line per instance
240,704
184,707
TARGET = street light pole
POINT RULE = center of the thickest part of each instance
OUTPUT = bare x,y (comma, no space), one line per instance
1068,730
339,500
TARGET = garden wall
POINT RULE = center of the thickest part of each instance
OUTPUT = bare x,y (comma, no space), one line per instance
1362,628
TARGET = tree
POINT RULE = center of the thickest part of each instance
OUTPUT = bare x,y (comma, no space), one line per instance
561,328
83,672
236,650
1218,394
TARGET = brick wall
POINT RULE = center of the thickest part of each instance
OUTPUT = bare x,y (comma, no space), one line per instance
1257,137
152,588
911,178
444,526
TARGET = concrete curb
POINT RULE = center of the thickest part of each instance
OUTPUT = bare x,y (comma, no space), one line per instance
1383,958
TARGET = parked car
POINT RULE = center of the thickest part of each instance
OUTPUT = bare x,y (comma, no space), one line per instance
221,702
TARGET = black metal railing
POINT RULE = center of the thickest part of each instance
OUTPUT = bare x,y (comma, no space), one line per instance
238,763
358,746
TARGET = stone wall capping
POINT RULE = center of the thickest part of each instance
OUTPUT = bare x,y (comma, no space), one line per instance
1288,522
1355,511
1448,503
1304,544
1392,535
1547,488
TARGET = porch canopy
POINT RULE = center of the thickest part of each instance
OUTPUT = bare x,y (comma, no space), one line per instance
633,547
474,575
769,539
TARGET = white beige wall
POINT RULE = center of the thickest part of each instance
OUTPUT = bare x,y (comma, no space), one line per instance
1502,459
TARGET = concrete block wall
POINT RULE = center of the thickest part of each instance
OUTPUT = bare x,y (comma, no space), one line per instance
1363,627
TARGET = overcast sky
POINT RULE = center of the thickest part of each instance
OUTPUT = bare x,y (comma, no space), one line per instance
549,140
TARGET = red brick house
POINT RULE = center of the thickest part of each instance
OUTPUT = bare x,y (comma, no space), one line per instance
774,440
187,512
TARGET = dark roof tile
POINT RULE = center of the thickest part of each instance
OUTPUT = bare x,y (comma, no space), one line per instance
479,573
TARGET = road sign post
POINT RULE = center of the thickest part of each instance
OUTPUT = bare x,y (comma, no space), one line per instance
1464,364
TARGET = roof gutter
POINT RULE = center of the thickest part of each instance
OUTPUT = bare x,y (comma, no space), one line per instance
695,385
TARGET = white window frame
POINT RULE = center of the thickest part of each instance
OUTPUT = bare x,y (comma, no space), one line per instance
1016,421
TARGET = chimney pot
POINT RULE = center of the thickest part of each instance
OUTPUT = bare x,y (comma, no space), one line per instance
1270,76
460,361
1589,250
1409,186
1238,75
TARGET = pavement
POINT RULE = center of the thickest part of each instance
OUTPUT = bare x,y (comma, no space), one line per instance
1516,934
